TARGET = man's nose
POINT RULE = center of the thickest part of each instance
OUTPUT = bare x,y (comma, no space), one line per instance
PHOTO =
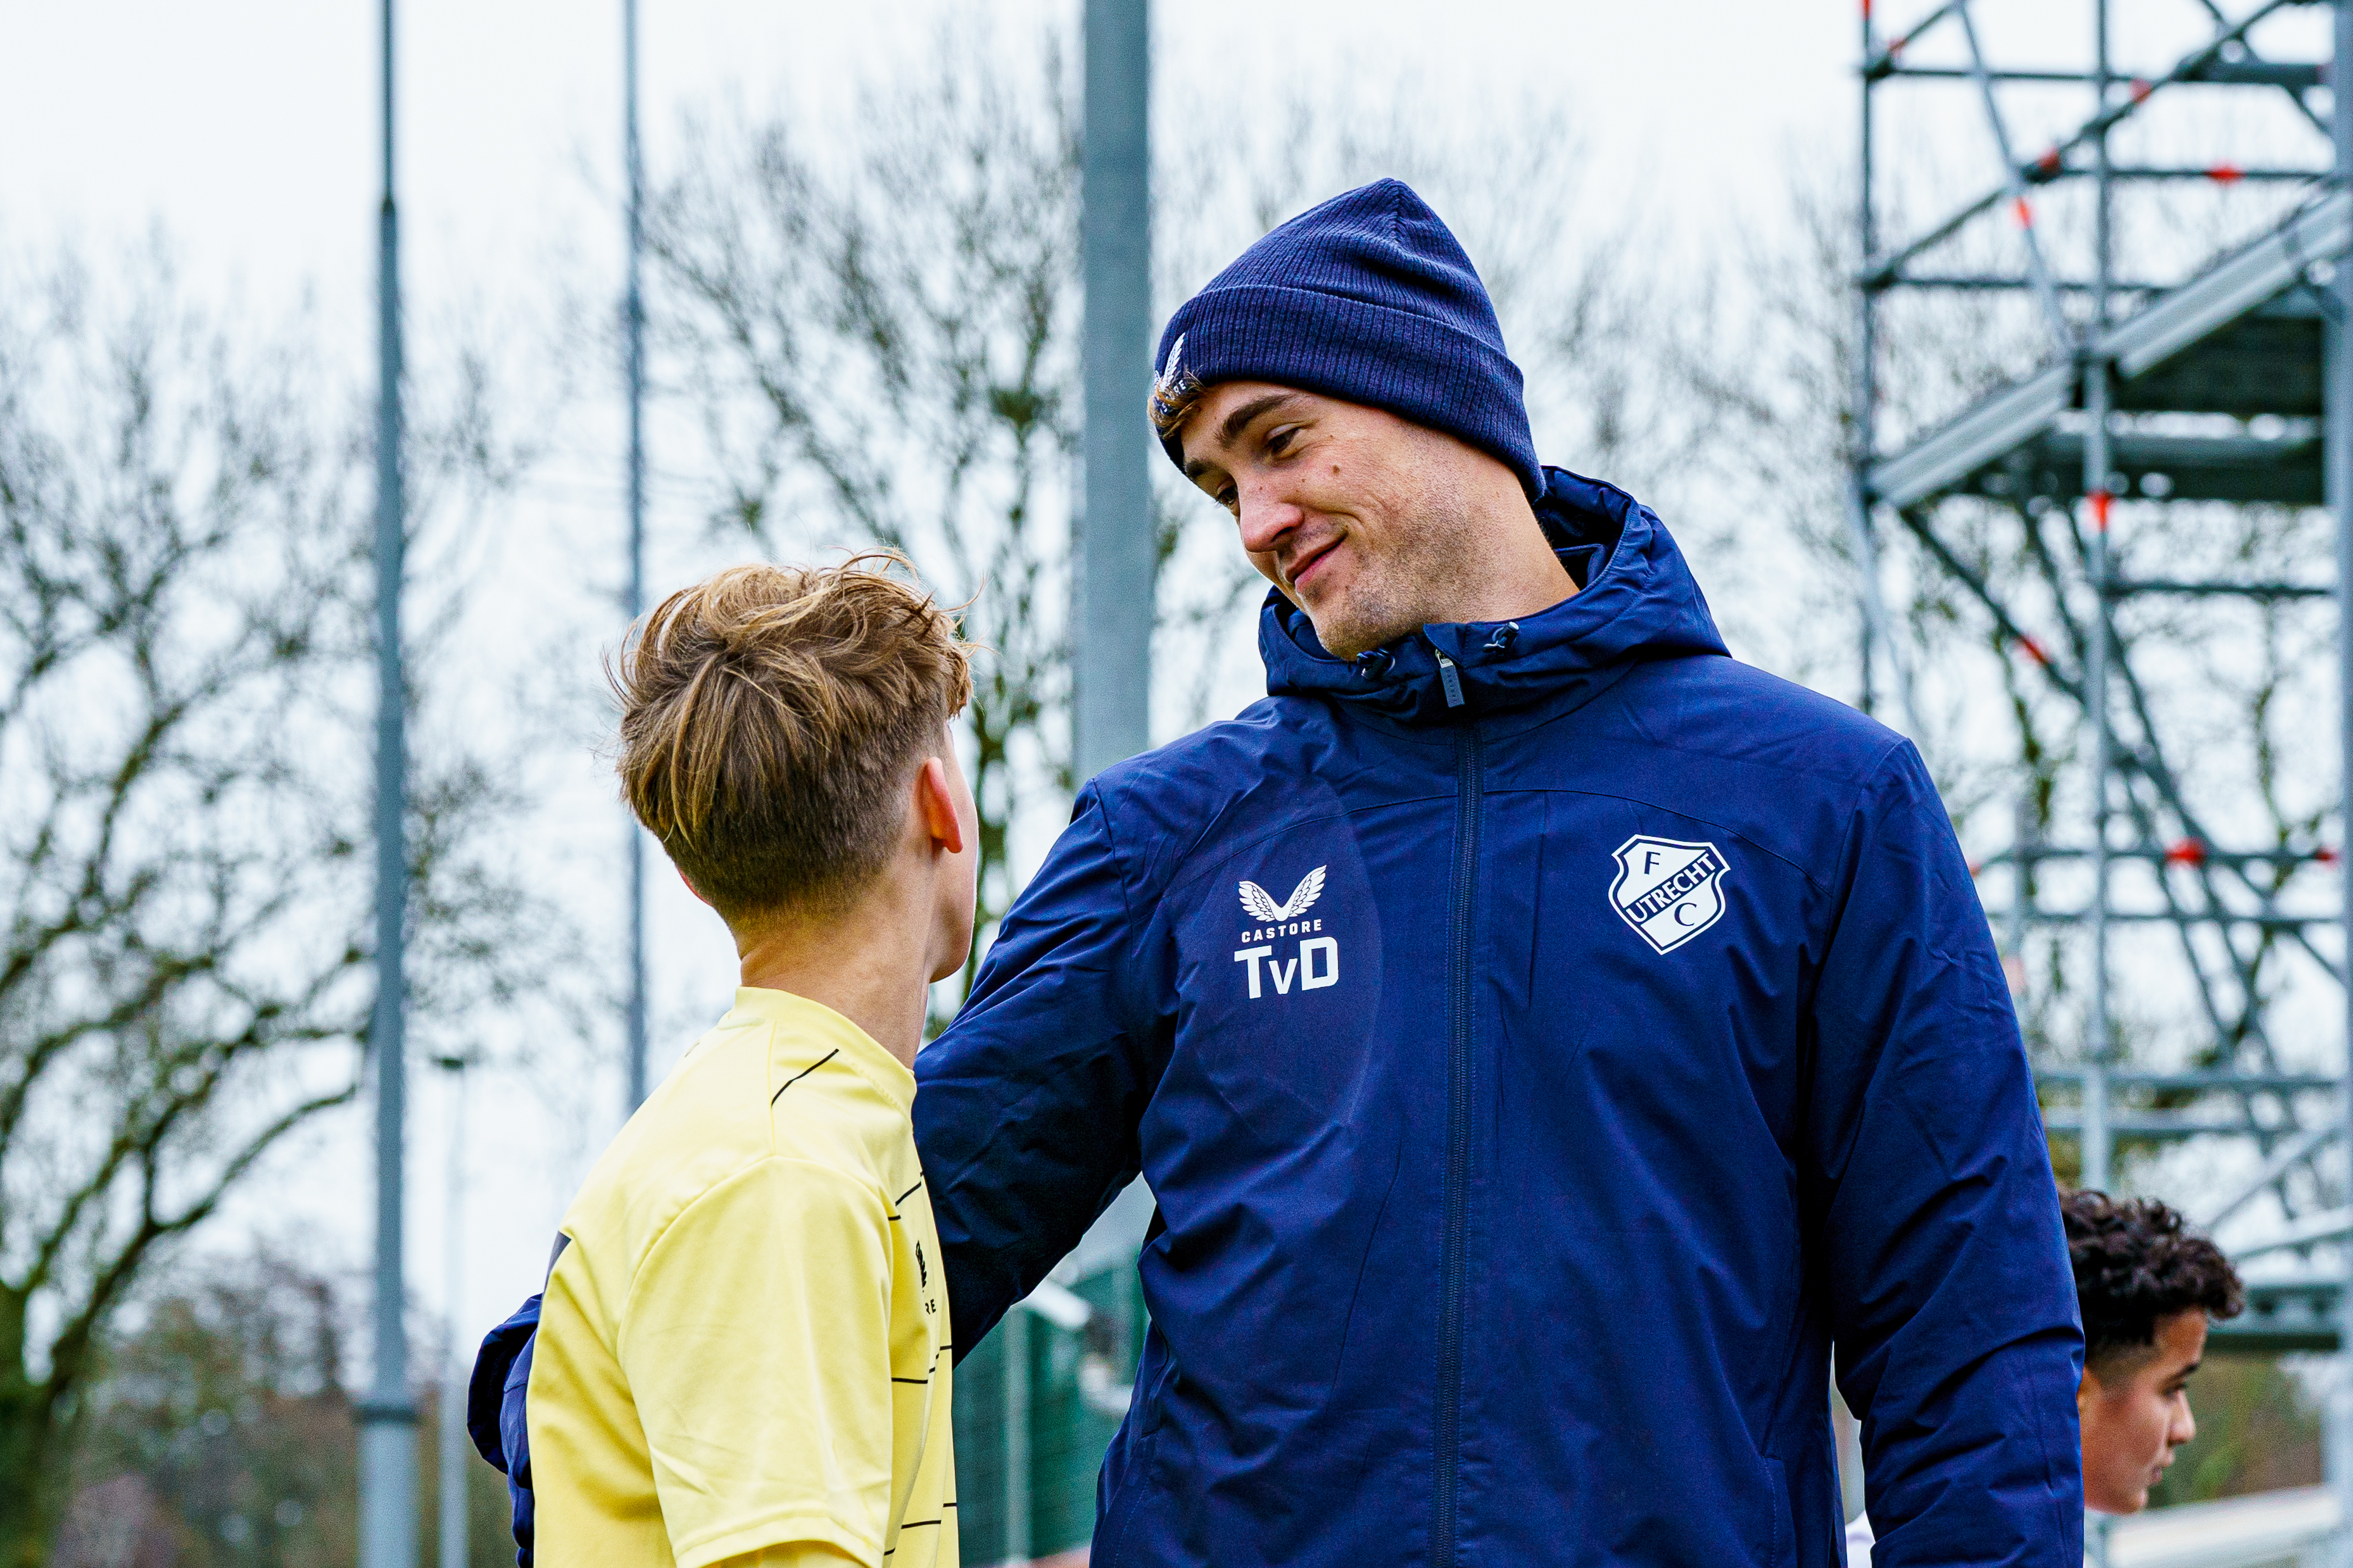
1267,514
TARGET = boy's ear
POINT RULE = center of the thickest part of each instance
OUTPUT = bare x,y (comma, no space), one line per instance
692,889
936,803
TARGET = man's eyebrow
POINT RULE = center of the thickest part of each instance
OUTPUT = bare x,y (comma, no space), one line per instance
1236,423
1238,420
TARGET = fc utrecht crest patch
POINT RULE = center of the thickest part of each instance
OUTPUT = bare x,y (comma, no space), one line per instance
1667,890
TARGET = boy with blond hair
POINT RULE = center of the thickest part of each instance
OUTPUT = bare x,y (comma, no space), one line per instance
743,1355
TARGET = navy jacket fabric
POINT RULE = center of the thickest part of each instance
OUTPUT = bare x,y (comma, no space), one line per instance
1543,1041
495,1419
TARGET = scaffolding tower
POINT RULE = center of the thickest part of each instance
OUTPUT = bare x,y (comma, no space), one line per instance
2169,377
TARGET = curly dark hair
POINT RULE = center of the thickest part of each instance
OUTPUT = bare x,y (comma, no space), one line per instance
2137,1264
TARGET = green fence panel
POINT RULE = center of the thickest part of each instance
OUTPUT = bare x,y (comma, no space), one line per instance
1066,1431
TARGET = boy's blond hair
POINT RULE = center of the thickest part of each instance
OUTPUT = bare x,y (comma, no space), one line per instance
771,718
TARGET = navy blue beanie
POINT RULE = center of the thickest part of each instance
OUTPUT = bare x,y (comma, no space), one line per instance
1367,298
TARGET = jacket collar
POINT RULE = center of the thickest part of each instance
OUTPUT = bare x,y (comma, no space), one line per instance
1637,601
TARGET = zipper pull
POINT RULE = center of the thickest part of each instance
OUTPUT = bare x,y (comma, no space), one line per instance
1450,678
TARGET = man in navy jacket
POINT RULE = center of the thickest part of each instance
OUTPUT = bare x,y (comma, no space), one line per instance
1544,1035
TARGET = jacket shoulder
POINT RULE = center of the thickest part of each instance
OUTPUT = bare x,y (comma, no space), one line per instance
1727,746
1721,710
1281,762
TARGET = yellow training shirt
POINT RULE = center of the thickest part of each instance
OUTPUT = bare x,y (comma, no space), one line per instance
745,1344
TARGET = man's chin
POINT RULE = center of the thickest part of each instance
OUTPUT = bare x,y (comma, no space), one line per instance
1344,641
1345,633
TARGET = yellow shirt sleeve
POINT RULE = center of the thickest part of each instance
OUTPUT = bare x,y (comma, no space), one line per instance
799,1556
756,1345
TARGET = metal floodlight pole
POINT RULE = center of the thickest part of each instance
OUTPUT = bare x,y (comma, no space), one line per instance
1118,551
634,312
2339,331
388,1416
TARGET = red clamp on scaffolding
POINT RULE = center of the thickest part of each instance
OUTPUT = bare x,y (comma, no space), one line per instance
2101,500
2189,852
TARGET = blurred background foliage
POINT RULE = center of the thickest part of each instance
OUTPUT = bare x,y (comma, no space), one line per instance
2258,1430
218,1433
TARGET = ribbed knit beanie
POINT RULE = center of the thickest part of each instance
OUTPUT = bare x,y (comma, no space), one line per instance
1367,298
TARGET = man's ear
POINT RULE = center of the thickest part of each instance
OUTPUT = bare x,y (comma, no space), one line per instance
936,803
692,889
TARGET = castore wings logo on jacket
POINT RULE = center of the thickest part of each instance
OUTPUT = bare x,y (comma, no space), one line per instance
1315,965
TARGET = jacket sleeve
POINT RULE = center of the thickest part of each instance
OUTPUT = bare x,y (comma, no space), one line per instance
1951,1299
1027,1108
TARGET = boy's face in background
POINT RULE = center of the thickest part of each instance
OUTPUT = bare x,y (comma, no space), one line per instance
2137,1412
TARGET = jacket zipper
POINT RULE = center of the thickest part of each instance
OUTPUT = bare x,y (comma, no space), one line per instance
1447,1440
1450,680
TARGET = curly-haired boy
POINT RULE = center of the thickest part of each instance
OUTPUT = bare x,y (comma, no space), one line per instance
2149,1288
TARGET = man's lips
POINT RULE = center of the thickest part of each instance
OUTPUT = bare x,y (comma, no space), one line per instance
1303,566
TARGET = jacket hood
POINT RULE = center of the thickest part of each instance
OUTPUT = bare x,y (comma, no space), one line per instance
1637,601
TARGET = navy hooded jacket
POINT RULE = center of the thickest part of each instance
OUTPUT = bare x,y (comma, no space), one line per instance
1543,1041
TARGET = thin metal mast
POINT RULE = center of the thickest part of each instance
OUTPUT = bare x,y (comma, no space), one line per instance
2338,337
1118,551
1866,392
2097,1145
387,1444
634,311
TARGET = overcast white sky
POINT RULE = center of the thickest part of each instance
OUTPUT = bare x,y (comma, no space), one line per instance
247,129
249,126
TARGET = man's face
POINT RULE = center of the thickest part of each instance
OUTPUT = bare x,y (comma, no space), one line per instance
2138,1412
1358,516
